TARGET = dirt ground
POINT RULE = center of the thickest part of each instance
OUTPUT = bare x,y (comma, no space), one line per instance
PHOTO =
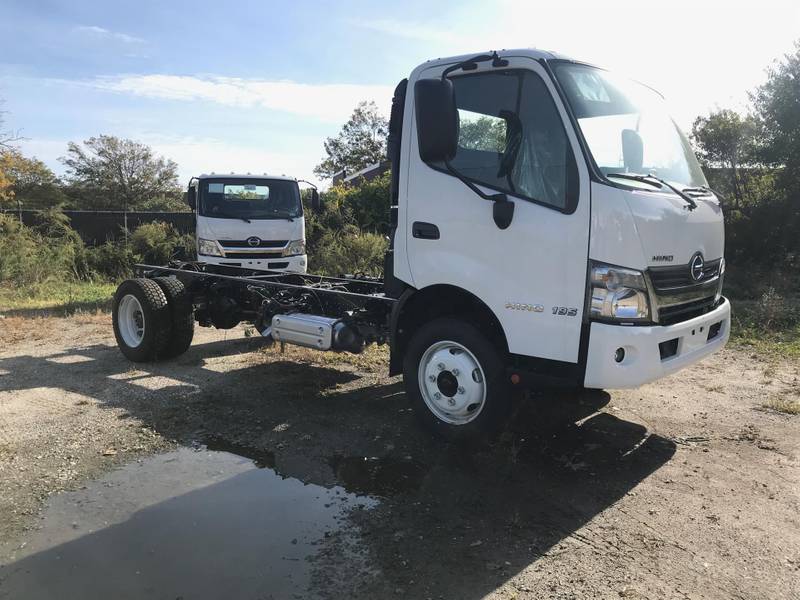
686,488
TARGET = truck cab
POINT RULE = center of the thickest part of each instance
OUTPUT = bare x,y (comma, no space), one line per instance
557,210
249,221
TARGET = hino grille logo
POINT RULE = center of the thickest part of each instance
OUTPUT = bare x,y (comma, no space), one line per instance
696,266
663,258
253,241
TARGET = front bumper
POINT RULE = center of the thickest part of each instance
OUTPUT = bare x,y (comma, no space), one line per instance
294,264
684,344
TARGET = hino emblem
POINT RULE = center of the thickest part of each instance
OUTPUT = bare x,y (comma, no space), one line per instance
526,307
663,258
253,241
696,266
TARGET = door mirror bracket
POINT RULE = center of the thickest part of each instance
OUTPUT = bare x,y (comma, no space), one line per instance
503,209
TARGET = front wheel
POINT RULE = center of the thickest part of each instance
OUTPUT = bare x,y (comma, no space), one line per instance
455,379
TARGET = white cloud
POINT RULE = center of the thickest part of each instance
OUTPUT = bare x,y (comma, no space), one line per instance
101,33
328,102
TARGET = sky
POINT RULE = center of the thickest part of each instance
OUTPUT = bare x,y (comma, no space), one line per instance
256,86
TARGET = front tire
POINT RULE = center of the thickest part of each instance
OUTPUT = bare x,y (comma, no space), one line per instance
456,380
142,320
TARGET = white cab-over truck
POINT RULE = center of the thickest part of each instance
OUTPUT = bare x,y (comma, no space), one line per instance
249,221
550,224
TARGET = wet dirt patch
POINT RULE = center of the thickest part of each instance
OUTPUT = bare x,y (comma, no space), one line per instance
185,524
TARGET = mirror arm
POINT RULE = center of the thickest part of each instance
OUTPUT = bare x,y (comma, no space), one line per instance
307,182
503,209
471,63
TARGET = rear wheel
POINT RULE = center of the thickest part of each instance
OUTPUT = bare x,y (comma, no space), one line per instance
182,313
142,321
455,378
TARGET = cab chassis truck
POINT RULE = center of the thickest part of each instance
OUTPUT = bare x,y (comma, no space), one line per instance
549,224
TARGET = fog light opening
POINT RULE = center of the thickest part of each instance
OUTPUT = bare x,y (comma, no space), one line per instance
619,355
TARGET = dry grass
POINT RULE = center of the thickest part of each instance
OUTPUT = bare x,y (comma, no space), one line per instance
783,405
374,359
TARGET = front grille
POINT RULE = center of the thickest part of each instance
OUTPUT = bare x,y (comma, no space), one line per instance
261,244
667,278
669,315
252,255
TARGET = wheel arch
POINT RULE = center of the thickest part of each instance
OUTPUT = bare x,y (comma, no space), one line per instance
418,306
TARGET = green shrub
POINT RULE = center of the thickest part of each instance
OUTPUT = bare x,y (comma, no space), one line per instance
49,251
367,202
112,260
157,243
349,251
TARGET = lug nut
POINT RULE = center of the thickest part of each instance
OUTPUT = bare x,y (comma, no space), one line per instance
461,390
431,377
456,372
441,366
437,395
451,402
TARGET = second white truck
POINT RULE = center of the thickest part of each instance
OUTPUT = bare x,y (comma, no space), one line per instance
550,223
249,221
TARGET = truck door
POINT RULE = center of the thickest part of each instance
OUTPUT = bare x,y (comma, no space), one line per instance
514,138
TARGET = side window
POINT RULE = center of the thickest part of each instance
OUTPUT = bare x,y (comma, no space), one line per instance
511,138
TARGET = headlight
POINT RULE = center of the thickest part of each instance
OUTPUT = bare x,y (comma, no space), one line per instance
295,248
208,247
618,293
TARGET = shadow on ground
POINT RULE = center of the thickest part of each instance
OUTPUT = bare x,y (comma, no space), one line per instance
451,522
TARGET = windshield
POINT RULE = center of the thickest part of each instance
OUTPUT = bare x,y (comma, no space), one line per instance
250,199
627,127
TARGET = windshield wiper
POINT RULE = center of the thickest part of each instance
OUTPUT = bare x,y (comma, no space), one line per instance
275,215
655,181
228,216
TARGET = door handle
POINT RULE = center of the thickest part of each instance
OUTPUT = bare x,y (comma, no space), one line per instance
425,231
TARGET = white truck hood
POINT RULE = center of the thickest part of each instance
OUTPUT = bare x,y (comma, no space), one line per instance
667,232
236,229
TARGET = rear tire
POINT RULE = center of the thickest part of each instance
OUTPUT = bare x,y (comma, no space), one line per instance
456,380
142,320
182,313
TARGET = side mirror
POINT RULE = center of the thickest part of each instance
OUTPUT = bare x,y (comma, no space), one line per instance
191,197
316,203
437,119
632,150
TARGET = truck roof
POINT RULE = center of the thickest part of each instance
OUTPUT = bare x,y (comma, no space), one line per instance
244,176
533,53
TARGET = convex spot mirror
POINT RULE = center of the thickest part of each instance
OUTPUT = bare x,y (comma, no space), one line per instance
632,150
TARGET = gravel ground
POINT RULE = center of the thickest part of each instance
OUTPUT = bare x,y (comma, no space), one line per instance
687,488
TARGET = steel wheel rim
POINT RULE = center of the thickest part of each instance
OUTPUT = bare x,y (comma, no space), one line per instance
452,383
130,320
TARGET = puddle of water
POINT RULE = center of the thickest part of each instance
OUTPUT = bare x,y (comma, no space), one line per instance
262,459
190,523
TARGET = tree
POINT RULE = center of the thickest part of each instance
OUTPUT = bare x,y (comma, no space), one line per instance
118,173
27,182
726,139
777,106
483,133
360,143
